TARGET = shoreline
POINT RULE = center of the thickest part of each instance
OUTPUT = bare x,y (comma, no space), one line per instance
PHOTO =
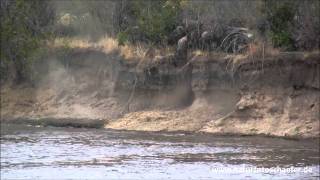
100,124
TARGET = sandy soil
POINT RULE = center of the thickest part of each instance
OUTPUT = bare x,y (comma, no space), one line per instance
86,96
254,114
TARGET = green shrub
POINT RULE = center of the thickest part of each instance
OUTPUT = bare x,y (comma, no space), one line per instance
150,20
122,38
280,17
24,27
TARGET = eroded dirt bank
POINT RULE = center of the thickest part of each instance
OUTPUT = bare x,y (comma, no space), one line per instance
223,94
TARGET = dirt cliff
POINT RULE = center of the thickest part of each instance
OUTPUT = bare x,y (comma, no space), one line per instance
215,93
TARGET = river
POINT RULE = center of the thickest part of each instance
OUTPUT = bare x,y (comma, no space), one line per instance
29,152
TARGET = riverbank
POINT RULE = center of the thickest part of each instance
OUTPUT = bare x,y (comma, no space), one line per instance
277,95
101,124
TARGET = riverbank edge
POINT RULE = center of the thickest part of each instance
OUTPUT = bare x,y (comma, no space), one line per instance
251,103
100,124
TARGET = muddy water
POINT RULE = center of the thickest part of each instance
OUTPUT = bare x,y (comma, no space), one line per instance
71,153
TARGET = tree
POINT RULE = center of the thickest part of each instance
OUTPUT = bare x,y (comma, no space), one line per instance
148,20
24,24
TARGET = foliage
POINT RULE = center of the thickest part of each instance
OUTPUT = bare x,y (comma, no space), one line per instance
27,25
155,20
281,16
122,38
307,25
23,27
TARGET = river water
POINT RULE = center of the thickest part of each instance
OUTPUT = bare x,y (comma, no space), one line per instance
74,153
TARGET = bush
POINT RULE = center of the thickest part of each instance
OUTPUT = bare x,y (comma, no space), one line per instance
122,38
148,20
24,26
280,17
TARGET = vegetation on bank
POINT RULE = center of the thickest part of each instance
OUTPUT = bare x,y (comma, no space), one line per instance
24,27
30,29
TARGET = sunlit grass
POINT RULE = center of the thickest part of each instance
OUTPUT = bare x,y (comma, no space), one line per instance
141,51
109,45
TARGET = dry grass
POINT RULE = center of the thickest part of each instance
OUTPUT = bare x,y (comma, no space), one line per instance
140,51
262,50
72,43
108,45
200,53
256,51
314,53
